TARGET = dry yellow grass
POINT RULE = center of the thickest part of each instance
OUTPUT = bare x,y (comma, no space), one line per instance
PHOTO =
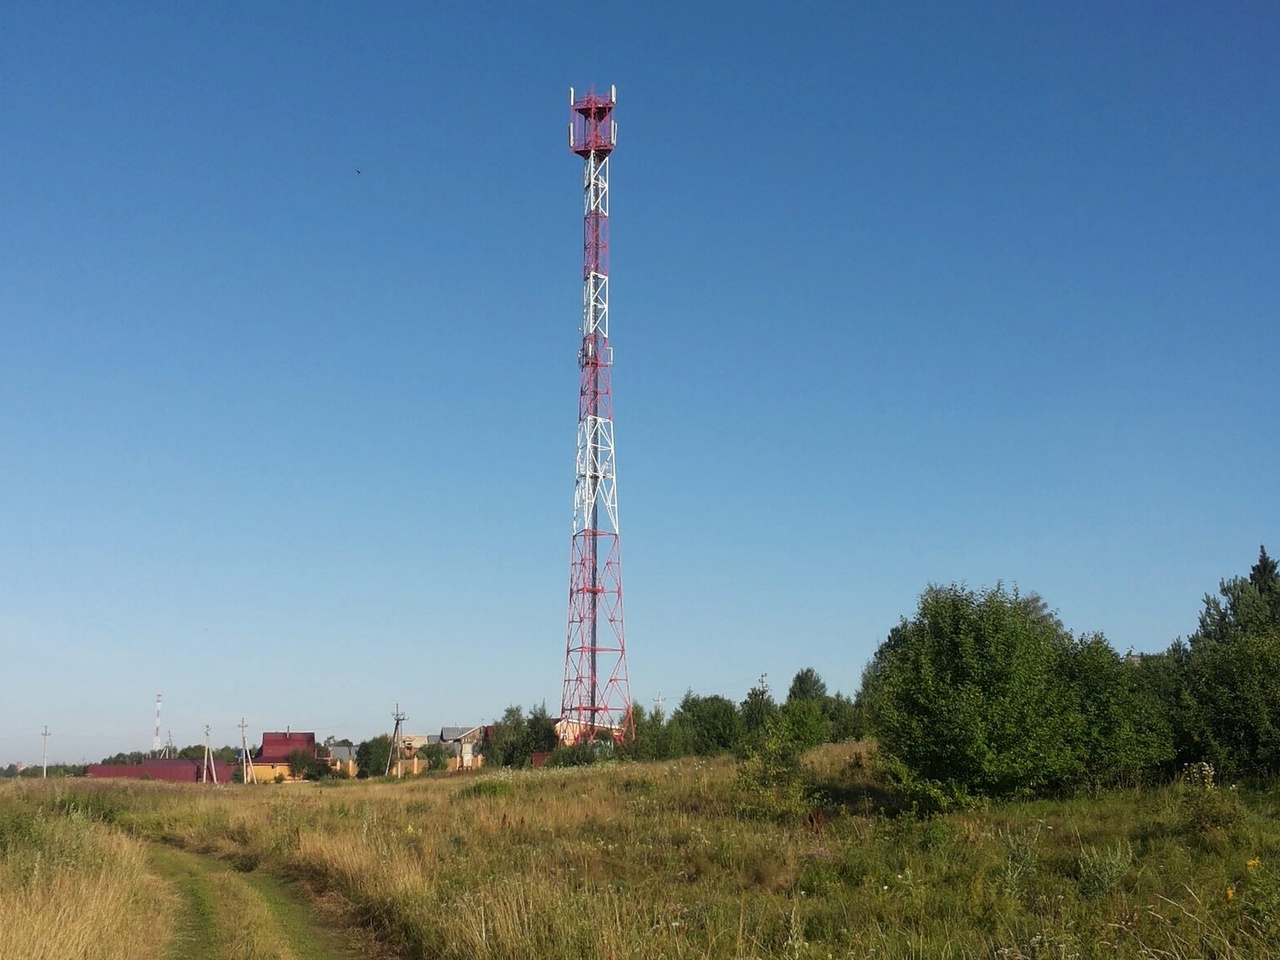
640,861
71,889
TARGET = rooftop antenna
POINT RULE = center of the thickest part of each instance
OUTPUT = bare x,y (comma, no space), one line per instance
396,737
155,741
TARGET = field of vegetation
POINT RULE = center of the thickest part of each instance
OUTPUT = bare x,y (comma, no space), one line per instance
686,858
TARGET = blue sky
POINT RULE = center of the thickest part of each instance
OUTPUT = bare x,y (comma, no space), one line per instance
902,293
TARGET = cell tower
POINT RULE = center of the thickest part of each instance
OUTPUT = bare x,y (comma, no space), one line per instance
597,695
155,741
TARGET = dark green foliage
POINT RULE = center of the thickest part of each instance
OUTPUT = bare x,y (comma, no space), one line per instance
847,718
967,695
133,757
372,756
771,781
509,733
578,755
1245,606
1120,731
706,725
195,752
757,710
807,685
1231,675
300,762
1163,679
541,730
807,723
986,693
435,755
1235,691
652,740
517,738
319,770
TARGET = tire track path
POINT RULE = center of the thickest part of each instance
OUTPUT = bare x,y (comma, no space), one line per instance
225,914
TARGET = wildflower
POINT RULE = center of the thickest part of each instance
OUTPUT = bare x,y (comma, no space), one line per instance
1231,894
1253,863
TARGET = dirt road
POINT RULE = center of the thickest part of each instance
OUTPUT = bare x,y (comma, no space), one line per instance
225,914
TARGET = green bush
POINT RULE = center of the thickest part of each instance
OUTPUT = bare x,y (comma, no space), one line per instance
771,783
986,694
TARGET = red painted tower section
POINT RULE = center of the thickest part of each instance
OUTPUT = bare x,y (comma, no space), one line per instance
597,696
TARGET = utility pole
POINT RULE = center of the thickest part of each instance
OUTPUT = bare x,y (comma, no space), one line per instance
396,749
246,765
658,702
44,762
764,685
209,769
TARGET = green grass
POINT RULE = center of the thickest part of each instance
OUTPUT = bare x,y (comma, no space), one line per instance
196,936
659,860
231,914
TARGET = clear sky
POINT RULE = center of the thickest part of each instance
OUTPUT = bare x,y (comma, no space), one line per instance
902,293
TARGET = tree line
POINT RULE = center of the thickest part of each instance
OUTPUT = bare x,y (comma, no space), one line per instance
700,725
980,693
986,694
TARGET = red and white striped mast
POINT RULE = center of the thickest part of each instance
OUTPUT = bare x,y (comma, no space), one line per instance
155,741
597,695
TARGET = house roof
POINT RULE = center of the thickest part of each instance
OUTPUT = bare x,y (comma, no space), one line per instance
345,754
277,745
456,733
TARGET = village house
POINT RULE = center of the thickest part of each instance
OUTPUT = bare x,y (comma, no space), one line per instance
464,743
271,762
342,759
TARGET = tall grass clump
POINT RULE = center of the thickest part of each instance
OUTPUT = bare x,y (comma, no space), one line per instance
71,887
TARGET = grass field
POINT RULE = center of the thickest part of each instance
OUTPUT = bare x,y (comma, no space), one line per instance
658,860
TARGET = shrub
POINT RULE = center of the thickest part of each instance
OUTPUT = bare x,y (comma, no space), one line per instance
987,694
771,782
1099,871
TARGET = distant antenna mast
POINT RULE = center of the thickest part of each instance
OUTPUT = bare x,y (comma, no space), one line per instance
246,762
44,762
396,737
210,771
155,741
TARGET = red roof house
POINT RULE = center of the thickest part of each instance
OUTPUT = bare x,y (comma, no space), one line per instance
271,762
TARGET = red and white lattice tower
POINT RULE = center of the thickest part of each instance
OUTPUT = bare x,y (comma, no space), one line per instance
155,741
597,696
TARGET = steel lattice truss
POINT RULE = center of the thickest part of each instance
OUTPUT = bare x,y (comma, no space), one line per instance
597,696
